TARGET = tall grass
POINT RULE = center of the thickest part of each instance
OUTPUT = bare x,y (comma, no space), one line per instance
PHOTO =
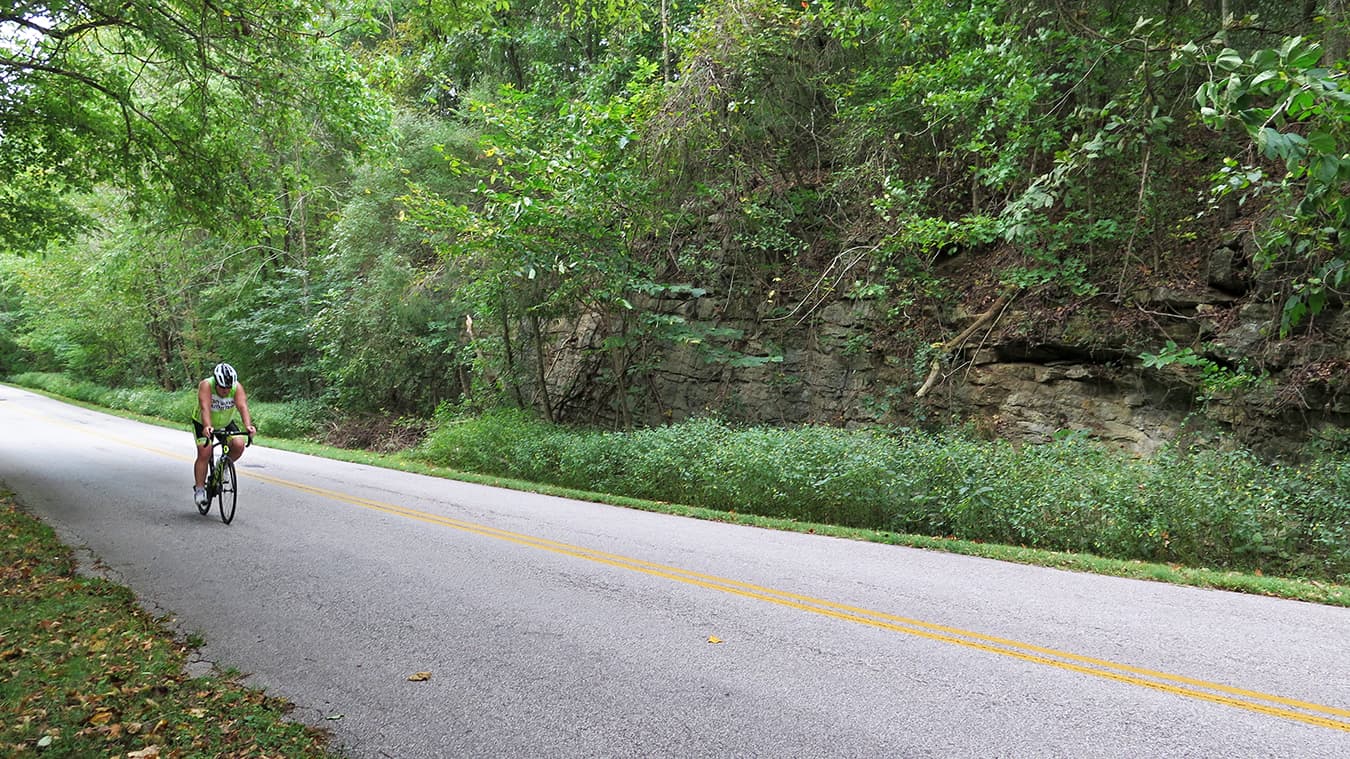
288,420
1218,509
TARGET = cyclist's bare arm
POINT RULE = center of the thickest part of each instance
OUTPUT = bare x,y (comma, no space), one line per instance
204,404
241,403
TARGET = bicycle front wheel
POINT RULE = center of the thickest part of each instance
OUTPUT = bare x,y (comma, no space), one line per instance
229,491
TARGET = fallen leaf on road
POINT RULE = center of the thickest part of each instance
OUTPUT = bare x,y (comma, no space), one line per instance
418,677
714,639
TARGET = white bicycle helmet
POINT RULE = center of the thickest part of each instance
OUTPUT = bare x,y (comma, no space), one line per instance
225,375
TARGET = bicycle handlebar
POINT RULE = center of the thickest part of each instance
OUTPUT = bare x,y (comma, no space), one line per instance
227,433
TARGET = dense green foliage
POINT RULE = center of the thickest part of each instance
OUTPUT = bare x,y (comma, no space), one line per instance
293,419
391,204
1201,508
1296,113
169,162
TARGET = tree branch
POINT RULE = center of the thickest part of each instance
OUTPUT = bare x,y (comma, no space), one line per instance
985,318
125,103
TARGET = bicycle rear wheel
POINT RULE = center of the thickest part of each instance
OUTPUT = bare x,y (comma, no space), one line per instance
229,492
205,505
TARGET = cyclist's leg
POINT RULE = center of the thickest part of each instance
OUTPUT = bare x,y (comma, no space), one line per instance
203,456
237,445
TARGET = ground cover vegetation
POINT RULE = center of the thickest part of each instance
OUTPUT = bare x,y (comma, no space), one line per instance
377,209
1201,508
84,671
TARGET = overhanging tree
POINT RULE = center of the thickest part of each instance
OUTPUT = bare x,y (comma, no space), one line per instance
140,92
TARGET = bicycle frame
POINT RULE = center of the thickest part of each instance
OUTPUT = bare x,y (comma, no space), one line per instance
221,482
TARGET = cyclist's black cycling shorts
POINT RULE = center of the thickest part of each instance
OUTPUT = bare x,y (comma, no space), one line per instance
201,431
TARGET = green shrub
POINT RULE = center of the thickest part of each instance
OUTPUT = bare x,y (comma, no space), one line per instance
58,384
491,443
291,419
1210,508
590,461
812,474
680,463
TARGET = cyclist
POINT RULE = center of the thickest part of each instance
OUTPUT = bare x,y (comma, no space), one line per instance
217,398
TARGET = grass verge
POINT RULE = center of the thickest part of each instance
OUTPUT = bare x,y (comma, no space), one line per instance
85,672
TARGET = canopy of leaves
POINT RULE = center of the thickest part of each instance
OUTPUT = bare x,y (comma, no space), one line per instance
148,94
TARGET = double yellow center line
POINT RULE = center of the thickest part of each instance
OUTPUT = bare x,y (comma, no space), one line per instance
1277,706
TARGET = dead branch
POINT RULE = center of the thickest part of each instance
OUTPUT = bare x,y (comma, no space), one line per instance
988,317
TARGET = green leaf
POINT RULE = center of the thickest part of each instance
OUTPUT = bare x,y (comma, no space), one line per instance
1228,59
1322,142
1301,105
1317,300
1286,145
1254,118
1307,56
1262,78
1287,49
1205,95
1265,60
749,362
1294,311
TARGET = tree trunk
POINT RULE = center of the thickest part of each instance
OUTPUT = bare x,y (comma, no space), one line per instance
619,361
665,40
1336,45
511,358
162,326
1225,18
540,369
935,370
517,68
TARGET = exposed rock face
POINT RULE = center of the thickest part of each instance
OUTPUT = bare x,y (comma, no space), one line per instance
1035,401
836,365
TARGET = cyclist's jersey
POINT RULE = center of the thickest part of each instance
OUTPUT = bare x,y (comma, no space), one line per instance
222,409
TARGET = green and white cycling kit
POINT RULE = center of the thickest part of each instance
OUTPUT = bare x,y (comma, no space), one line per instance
222,410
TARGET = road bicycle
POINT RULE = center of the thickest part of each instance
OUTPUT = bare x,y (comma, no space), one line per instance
221,484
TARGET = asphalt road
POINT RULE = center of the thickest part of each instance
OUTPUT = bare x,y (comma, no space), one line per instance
559,628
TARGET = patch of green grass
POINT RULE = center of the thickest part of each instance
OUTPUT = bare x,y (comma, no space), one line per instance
85,672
